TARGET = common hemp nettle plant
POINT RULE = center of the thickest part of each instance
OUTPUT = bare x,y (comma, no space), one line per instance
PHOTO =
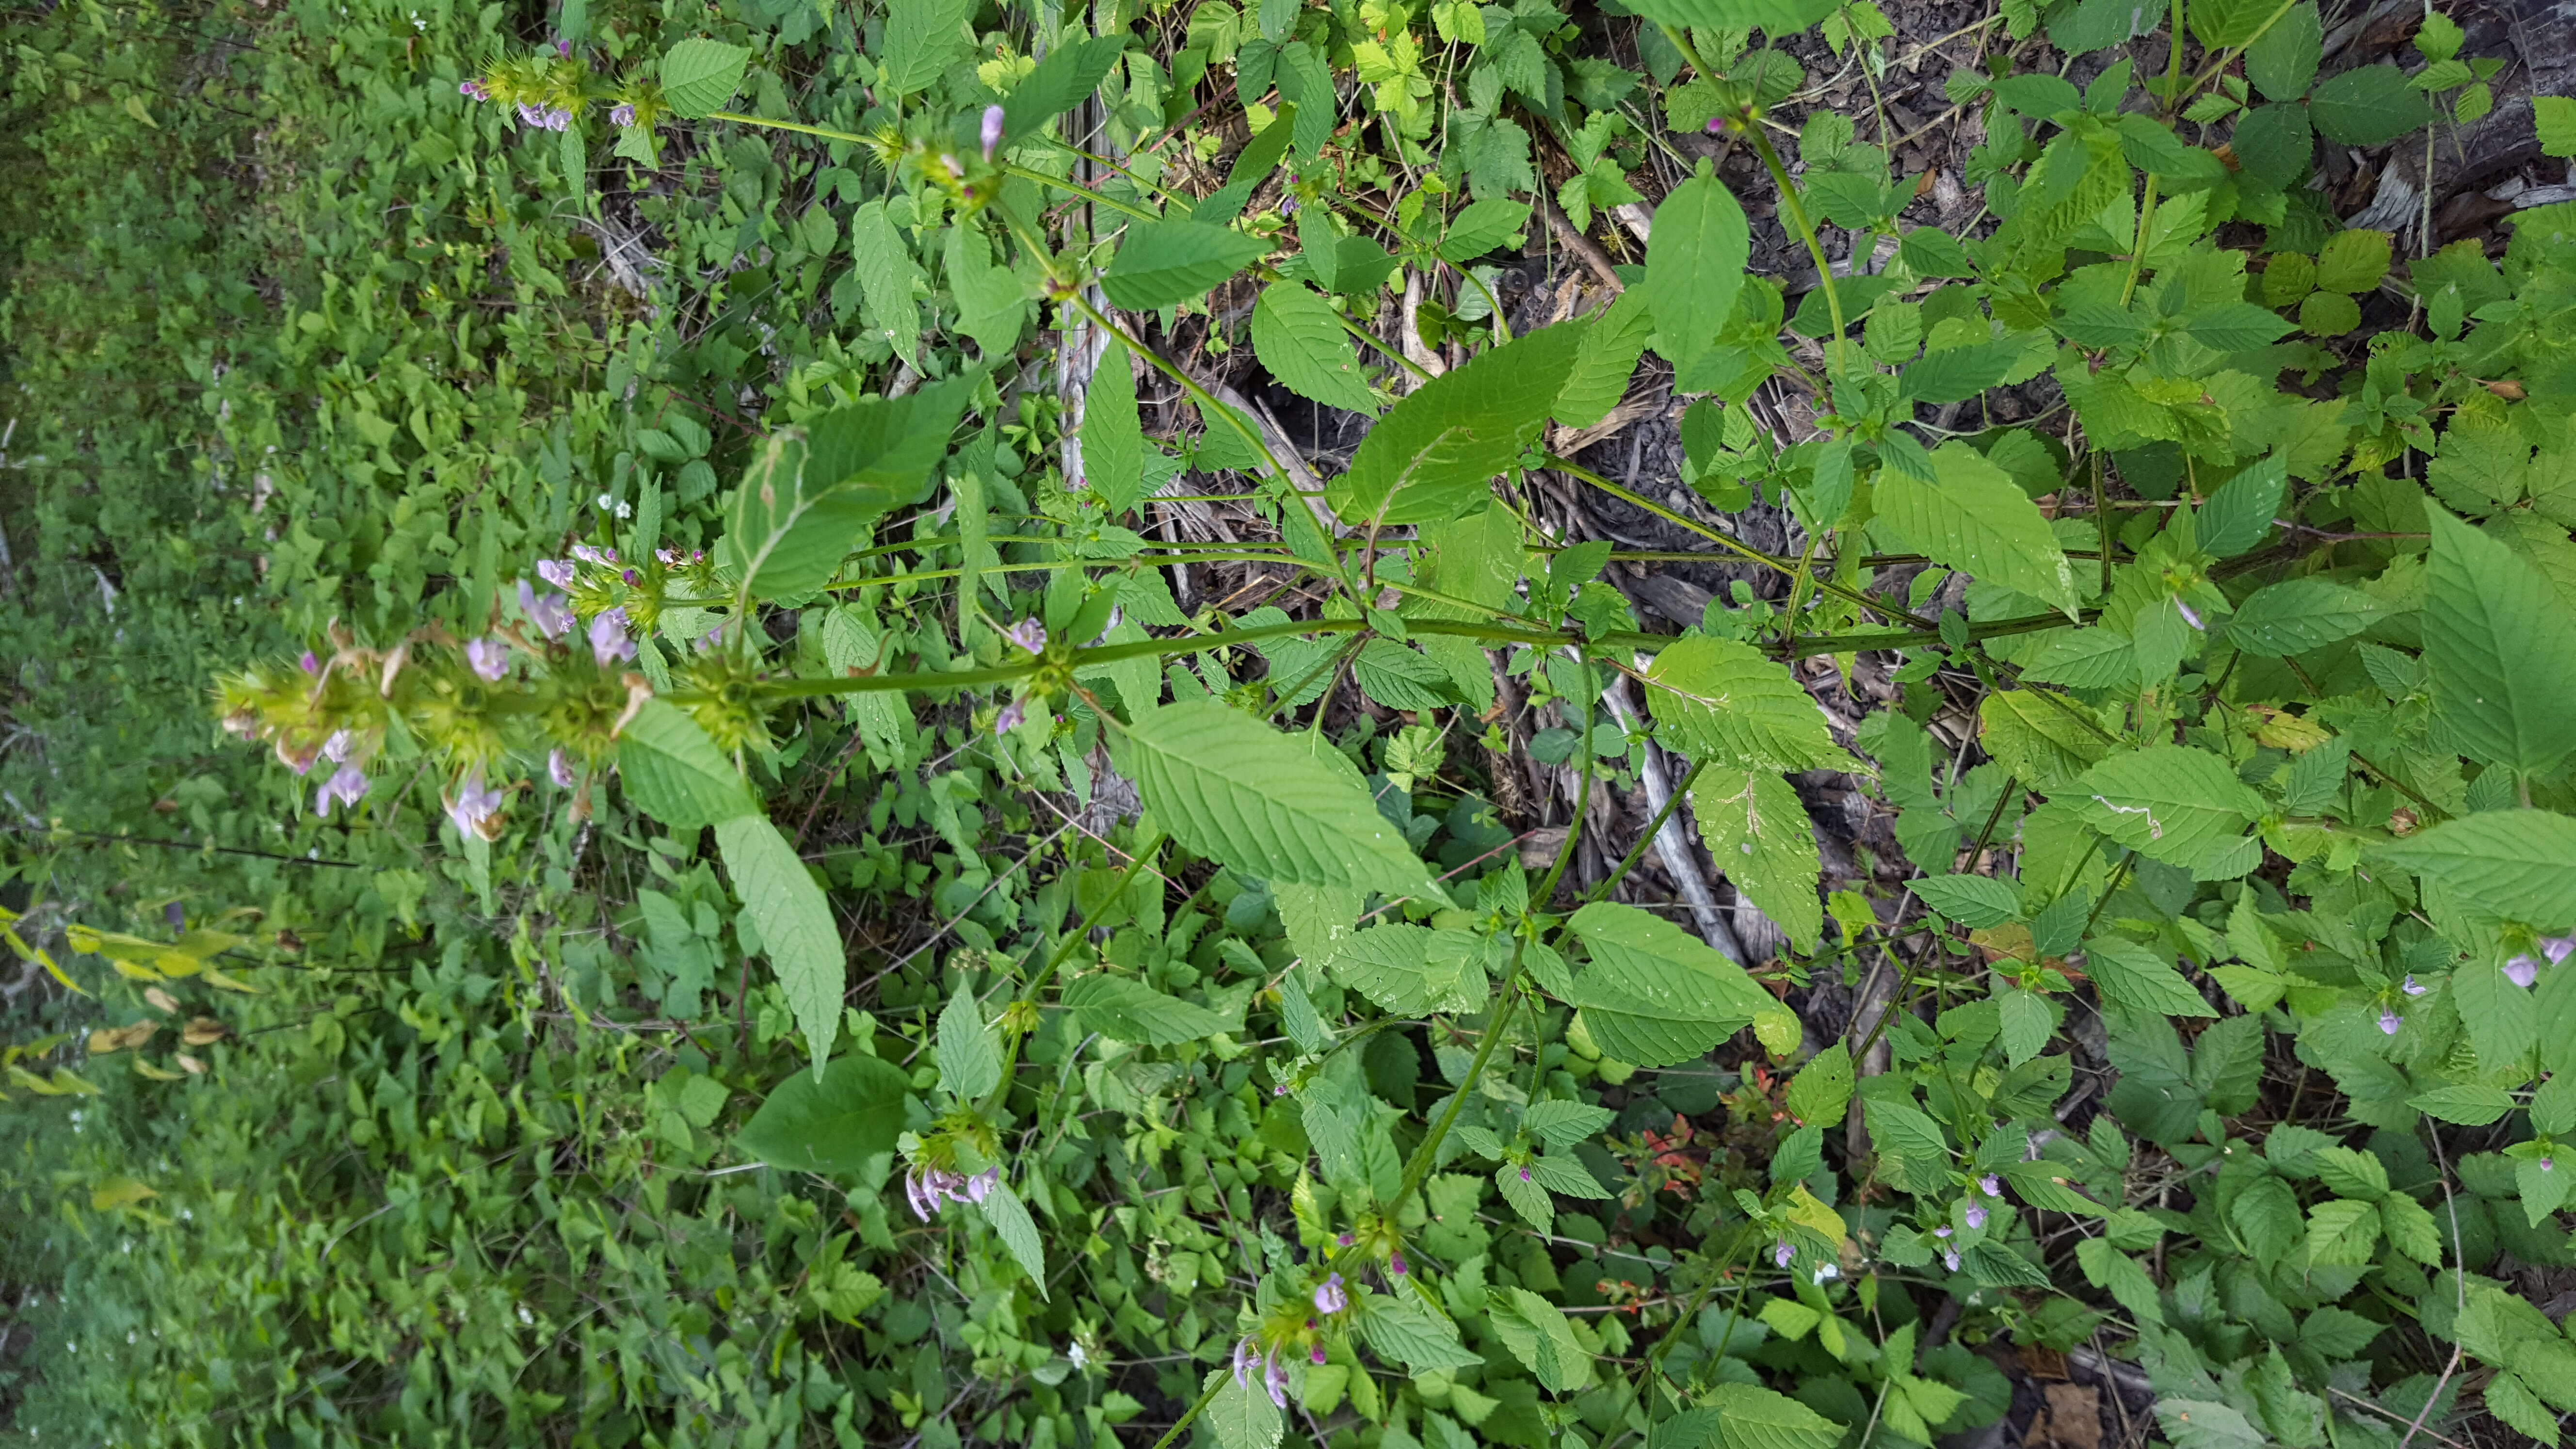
2224,714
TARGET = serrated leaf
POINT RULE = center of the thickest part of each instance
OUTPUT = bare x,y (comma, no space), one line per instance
2039,736
1397,1328
1162,263
2235,326
2297,615
797,931
1404,969
1694,266
2027,1024
1605,360
922,38
1752,1417
1010,1219
1720,700
1777,19
1970,900
970,1053
1654,995
2501,647
2118,1274
1061,81
2138,978
832,1123
2342,1233
699,76
1430,459
1956,374
809,491
2353,260
1231,788
1758,833
1562,1124
2239,515
671,771
1480,227
2368,105
1537,1335
1975,519
2465,1103
2350,1172
1822,1089
2172,803
1910,1147
1123,1009
1296,336
2499,865
1113,435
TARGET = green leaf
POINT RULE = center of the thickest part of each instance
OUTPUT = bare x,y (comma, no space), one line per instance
1562,1124
2282,61
1296,335
922,39
2297,615
802,503
1537,1334
699,76
2368,106
2239,515
1777,19
1412,970
1695,266
1821,1091
1113,436
1977,520
1956,374
1970,900
2350,1172
1431,457
674,773
1909,1144
1398,1328
1010,1219
2133,976
2515,1406
2235,326
2027,1024
1758,832
2501,648
2039,736
1480,227
2118,1274
1654,995
1526,1198
1166,262
887,277
1720,700
2353,261
2342,1233
2555,118
1605,360
832,1123
2498,865
1751,1417
970,1052
795,924
992,305
1062,80
1124,1009
2464,1103
2172,803
1235,790
1569,1176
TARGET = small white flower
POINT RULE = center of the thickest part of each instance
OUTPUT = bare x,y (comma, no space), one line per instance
607,502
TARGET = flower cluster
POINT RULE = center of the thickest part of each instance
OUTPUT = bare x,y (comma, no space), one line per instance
927,1189
1287,1329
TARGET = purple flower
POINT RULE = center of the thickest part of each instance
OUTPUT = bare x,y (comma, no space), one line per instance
1009,719
1395,1264
551,614
559,769
2549,1164
563,48
531,116
558,572
2411,986
347,785
1525,1174
1990,1185
311,664
981,1185
623,115
590,555
1781,1253
1950,1259
1345,1240
336,748
2557,948
2522,970
2389,1020
992,131
1715,125
1315,1355
1275,1379
1330,1296
1974,1215
475,806
915,1196
473,90
608,641
1941,1232
1029,634
488,658
1244,1358
2189,615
